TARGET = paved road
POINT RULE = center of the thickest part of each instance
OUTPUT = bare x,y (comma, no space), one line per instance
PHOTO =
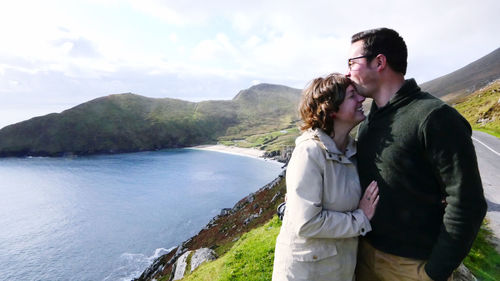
488,158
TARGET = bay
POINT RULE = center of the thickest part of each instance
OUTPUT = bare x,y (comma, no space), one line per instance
107,217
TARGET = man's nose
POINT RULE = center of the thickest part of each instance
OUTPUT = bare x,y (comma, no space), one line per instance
348,74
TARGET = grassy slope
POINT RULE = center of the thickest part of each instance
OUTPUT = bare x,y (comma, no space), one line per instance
251,258
269,126
483,259
115,123
226,230
482,109
271,141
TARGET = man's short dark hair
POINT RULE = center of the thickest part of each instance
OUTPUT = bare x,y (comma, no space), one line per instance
387,42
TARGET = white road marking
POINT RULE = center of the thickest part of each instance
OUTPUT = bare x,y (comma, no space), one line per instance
486,146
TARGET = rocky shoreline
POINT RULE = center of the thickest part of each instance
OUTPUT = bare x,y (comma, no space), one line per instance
222,230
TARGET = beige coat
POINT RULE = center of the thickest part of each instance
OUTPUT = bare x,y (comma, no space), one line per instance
319,236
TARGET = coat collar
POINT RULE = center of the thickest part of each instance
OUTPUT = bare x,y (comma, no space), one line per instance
327,143
403,96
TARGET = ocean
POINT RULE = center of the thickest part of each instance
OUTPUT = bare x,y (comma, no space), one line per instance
108,217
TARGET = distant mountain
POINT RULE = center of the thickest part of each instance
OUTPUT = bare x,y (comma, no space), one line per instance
129,122
462,82
264,108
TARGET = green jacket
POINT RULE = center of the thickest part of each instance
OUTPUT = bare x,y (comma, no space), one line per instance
420,152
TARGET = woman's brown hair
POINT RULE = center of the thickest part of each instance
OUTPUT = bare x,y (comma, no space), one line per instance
320,99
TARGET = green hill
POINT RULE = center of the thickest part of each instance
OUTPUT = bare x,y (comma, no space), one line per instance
464,81
482,109
129,122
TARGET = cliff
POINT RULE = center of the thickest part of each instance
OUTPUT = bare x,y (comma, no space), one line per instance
223,230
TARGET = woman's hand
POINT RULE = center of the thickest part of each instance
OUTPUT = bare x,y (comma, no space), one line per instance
369,201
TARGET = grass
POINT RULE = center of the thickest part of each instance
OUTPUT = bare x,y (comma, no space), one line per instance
165,278
483,259
482,109
272,141
188,261
250,259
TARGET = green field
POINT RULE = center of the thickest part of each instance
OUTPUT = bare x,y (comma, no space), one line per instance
251,257
482,109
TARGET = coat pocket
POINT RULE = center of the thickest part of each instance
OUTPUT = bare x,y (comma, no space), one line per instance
312,254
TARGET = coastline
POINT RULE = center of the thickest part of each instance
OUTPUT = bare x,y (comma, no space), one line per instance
250,212
247,152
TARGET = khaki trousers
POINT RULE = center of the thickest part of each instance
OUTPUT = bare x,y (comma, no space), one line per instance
375,265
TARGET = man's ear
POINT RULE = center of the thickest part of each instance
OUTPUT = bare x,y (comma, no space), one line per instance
381,62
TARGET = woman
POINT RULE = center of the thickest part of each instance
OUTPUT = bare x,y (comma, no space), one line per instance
324,214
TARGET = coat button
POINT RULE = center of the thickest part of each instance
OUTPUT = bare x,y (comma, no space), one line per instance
362,230
315,257
340,158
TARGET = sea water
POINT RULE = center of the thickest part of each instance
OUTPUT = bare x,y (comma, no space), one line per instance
108,217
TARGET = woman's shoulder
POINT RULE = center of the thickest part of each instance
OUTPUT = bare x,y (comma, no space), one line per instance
308,146
309,140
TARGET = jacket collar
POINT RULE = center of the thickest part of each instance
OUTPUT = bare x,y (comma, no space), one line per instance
327,143
409,87
402,97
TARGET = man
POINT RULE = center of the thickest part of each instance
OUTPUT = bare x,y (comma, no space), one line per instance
419,150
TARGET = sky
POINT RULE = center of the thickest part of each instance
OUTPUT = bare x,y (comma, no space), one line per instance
57,54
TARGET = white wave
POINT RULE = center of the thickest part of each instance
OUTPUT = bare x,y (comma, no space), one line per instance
130,266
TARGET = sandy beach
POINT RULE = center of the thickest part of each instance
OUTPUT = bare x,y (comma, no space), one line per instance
249,152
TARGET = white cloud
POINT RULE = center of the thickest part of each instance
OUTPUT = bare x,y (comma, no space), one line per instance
173,12
68,52
252,42
220,48
78,47
173,37
242,22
